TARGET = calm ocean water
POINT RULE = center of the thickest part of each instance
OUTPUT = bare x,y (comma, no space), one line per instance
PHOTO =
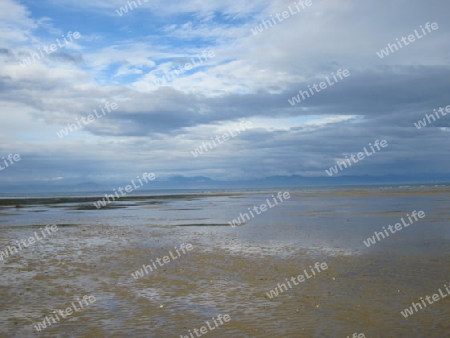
334,219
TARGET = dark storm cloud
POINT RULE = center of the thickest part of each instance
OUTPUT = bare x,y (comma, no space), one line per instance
406,91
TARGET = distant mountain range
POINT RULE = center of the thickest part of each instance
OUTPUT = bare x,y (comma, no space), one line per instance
202,182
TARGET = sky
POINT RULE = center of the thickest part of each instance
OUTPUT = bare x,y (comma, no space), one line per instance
123,57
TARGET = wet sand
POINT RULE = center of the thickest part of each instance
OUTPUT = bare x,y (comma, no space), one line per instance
226,273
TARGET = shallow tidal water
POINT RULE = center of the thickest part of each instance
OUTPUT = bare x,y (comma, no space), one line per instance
229,270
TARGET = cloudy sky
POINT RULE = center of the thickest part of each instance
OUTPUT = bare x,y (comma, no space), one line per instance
121,58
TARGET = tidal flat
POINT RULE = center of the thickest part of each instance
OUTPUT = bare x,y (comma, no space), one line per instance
230,270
